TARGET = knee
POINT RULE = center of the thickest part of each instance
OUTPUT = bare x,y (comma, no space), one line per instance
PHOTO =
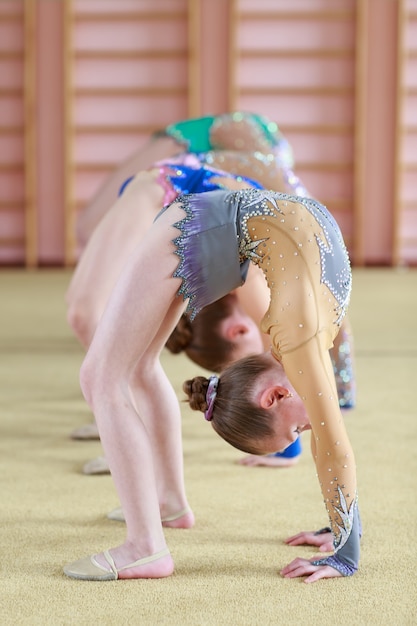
146,371
101,385
92,380
81,321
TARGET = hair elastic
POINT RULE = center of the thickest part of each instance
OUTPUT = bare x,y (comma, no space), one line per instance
211,396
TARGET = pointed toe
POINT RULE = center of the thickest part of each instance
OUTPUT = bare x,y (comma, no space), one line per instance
88,569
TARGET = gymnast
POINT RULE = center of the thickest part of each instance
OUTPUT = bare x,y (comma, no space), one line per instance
123,227
198,250
247,144
236,131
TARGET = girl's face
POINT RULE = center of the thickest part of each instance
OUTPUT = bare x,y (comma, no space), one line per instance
290,419
240,330
288,415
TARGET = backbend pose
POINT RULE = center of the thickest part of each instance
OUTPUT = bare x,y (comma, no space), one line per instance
197,250
124,226
245,144
236,131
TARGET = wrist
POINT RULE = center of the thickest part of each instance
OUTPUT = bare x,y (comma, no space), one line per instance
346,569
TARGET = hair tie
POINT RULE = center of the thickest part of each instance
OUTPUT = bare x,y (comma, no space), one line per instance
211,396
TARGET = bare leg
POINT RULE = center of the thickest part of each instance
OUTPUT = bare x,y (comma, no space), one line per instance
107,251
141,313
122,228
166,446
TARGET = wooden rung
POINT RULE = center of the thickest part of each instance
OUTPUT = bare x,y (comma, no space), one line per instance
299,53
129,16
11,130
324,167
12,242
319,129
11,92
11,55
11,17
337,204
11,205
129,91
295,91
11,167
305,166
408,167
114,130
94,167
409,205
116,55
294,15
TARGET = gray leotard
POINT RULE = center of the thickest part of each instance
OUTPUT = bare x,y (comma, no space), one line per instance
299,247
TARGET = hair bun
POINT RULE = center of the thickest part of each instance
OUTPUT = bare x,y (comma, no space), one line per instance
196,390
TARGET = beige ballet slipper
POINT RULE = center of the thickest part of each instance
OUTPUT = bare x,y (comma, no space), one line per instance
89,569
98,465
86,432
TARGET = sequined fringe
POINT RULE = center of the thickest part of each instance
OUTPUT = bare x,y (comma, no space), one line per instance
187,248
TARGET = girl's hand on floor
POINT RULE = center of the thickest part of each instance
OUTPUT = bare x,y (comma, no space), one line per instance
323,541
304,567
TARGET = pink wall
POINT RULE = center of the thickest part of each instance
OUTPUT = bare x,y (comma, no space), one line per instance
214,55
95,153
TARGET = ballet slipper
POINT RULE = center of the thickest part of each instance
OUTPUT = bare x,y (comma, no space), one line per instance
98,465
117,515
89,431
89,569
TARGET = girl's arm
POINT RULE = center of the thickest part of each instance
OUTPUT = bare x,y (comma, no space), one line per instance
309,370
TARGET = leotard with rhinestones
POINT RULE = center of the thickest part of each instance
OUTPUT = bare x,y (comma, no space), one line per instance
186,174
299,247
244,132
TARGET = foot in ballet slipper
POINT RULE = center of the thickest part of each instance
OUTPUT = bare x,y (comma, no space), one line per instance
181,519
89,431
98,465
157,565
